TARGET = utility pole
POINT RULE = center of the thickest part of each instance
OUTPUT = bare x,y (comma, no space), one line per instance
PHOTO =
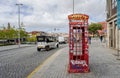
73,6
19,24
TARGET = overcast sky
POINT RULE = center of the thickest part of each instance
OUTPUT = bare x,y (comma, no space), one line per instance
45,15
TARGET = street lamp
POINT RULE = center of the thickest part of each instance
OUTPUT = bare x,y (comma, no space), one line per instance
19,23
73,6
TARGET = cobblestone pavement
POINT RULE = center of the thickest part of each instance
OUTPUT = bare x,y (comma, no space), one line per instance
103,64
18,63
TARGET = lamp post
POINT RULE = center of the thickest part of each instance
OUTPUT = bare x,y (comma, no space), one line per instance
19,24
73,6
56,33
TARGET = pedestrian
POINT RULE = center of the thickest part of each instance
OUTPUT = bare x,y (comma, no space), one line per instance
89,39
101,38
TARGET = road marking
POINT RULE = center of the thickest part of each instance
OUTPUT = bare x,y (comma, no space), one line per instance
49,59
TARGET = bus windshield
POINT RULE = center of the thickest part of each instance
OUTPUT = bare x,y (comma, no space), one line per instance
46,39
41,39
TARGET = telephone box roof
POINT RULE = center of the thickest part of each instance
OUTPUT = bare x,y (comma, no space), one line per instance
78,17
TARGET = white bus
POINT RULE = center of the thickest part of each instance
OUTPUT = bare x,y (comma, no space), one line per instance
46,42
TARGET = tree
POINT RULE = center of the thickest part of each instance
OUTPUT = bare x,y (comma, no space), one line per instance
10,32
31,39
93,27
2,34
9,26
23,34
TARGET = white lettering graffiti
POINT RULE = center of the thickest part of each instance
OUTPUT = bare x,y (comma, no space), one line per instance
82,62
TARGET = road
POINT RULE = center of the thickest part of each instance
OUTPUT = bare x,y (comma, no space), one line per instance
18,63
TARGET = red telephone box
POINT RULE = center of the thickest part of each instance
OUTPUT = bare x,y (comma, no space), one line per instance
78,43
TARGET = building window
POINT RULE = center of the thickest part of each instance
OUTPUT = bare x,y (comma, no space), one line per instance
114,6
114,3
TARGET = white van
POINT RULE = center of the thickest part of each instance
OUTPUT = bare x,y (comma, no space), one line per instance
46,42
61,40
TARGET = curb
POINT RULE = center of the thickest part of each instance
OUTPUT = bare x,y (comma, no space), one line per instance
14,48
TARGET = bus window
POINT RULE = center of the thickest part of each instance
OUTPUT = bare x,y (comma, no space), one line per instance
40,39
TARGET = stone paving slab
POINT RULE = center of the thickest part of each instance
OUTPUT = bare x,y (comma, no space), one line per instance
103,64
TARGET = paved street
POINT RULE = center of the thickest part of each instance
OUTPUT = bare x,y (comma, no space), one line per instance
18,63
103,64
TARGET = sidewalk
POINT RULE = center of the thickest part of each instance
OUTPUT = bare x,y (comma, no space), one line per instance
5,48
103,64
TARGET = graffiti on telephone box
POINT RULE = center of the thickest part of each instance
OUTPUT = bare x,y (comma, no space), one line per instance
80,62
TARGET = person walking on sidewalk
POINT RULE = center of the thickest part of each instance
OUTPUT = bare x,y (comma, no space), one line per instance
101,38
89,39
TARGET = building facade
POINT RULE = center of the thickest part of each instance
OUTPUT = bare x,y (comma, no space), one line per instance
112,29
104,29
36,33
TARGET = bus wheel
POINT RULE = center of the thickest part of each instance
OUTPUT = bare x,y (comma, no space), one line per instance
47,48
38,49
